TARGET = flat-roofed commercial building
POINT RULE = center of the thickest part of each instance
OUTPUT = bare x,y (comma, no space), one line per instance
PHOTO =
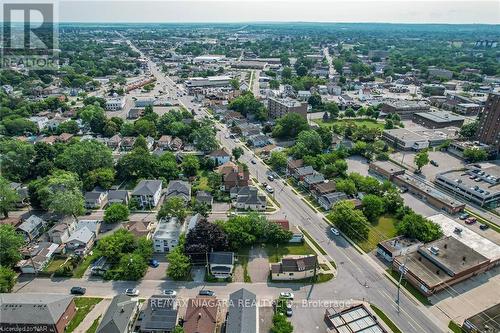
211,81
418,139
405,109
457,148
356,319
386,169
480,186
484,321
439,264
439,119
277,108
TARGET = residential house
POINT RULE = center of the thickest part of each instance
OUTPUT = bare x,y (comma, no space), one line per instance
37,257
297,236
100,267
118,196
221,264
233,176
135,113
293,165
81,241
176,144
22,193
193,221
164,142
127,143
114,142
203,197
295,268
119,316
258,141
179,188
65,137
32,227
95,199
139,228
313,179
43,313
242,313
166,235
248,197
201,315
220,156
92,225
147,193
61,231
302,172
327,201
323,188
159,315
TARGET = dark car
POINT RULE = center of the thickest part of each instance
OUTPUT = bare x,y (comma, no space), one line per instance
484,226
154,263
206,292
78,291
434,163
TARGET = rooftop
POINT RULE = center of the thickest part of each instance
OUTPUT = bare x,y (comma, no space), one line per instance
440,116
33,308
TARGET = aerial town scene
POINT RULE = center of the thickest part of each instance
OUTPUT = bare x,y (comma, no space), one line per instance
250,166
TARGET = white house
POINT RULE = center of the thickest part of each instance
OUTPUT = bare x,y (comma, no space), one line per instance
61,231
41,122
220,156
221,264
166,235
148,193
115,103
295,268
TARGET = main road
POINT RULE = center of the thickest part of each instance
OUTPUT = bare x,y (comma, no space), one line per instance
358,277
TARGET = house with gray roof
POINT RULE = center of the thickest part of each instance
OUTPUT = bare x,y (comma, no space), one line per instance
179,188
315,178
81,241
242,313
120,315
302,172
32,227
166,235
44,313
159,315
248,197
95,199
147,193
118,196
328,200
204,198
221,264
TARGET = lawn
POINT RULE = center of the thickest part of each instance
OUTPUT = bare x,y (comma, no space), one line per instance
275,253
54,265
454,327
83,306
384,229
405,284
94,326
82,267
359,122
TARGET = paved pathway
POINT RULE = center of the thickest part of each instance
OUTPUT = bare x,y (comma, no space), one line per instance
97,311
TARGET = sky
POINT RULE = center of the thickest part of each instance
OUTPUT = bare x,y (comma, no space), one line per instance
179,11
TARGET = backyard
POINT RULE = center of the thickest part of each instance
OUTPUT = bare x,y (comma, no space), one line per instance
359,122
83,306
384,229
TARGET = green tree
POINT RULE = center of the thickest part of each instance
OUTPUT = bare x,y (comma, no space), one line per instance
392,201
8,197
308,143
8,279
421,159
204,139
145,127
332,108
114,245
103,177
235,84
116,213
69,126
277,160
137,164
349,220
237,152
179,264
468,131
315,101
16,157
10,245
84,156
190,165
290,125
132,266
281,325
286,73
173,207
347,186
140,143
373,207
417,227
475,154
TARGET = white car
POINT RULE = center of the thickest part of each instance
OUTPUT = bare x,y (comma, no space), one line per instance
132,292
334,232
286,295
269,189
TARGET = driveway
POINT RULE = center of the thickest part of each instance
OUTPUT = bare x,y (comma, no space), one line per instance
258,265
357,164
157,273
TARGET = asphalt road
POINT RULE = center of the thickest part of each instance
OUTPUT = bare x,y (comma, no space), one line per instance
359,277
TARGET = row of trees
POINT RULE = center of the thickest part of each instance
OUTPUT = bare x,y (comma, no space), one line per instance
10,253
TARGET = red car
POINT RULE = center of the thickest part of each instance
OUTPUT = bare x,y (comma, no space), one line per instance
470,220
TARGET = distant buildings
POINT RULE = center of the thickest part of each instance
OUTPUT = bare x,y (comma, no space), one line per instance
277,108
418,139
489,122
43,313
211,81
440,73
115,104
438,119
405,109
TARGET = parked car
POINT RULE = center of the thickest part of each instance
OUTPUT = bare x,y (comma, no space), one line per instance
286,295
463,216
436,164
334,231
206,292
470,220
154,263
264,184
78,291
270,177
253,161
269,189
484,226
132,292
169,292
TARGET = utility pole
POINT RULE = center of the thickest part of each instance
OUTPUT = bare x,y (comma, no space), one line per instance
402,270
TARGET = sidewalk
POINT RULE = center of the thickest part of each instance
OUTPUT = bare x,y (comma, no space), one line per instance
97,311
